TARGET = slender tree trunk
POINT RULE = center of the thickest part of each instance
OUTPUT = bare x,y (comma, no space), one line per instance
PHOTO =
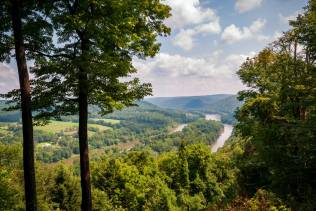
295,59
28,142
83,139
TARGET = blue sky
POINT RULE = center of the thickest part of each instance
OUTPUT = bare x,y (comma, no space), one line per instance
209,41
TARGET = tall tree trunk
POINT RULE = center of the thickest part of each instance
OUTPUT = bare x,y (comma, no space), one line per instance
295,58
28,142
83,139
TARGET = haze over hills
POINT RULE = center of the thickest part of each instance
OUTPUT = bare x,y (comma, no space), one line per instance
8,116
144,108
223,104
200,103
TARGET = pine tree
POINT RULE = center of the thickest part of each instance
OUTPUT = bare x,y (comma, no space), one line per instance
96,42
23,29
278,116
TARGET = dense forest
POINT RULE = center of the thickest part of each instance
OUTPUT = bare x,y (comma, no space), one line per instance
101,147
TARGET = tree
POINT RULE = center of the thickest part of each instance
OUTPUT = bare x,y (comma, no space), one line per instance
65,190
191,173
96,42
278,116
11,193
22,29
134,183
305,26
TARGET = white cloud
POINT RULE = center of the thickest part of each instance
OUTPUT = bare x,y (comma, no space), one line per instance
184,39
213,27
173,75
285,19
8,78
178,66
189,19
270,39
277,35
237,59
257,25
188,12
233,33
166,65
246,5
189,86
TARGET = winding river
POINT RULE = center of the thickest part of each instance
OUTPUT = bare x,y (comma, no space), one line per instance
226,133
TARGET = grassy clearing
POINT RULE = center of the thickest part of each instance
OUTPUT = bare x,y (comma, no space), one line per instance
4,128
4,132
45,144
100,127
56,126
111,121
68,127
8,123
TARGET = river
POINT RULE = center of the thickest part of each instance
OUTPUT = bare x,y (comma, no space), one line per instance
226,133
228,129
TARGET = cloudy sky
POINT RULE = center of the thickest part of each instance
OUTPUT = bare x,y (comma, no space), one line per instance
209,41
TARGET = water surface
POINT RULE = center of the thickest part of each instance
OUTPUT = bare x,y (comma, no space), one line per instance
226,133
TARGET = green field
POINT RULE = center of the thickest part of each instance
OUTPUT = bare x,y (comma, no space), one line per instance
59,126
68,128
4,131
111,121
2,124
4,128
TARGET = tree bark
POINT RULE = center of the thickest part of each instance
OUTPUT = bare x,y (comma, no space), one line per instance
28,142
86,204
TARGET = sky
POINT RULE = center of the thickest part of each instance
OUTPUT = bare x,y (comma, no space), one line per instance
210,39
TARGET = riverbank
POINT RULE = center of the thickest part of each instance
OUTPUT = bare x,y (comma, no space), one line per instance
225,133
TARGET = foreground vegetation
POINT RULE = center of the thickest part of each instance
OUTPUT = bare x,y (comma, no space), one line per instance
190,178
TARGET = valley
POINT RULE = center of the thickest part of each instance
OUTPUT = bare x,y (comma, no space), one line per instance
135,128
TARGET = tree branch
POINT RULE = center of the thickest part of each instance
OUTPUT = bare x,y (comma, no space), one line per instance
54,55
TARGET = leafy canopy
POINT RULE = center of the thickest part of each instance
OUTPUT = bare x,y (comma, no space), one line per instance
99,38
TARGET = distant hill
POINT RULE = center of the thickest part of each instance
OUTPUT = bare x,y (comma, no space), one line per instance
162,106
143,111
222,104
146,110
8,116
228,104
187,103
